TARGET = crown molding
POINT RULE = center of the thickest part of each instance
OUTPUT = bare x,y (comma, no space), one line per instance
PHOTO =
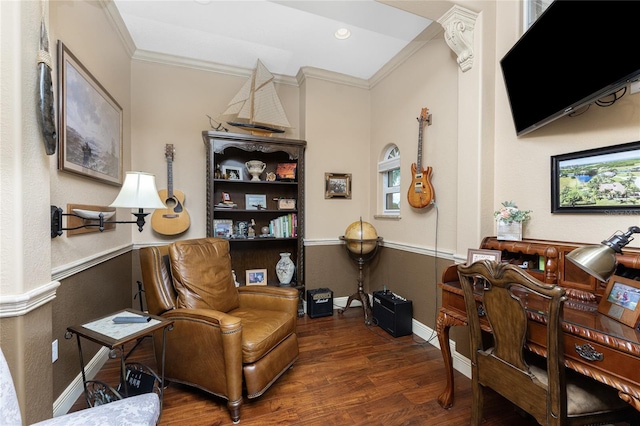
203,65
330,76
115,18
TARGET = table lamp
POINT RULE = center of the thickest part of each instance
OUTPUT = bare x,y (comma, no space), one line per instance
600,260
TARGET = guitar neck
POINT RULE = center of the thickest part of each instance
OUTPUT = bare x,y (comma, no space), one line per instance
419,162
169,177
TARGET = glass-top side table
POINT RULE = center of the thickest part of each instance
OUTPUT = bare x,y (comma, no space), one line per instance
114,336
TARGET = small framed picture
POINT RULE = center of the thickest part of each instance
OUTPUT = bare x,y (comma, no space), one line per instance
255,201
286,204
286,171
223,228
620,300
256,277
473,255
337,185
232,172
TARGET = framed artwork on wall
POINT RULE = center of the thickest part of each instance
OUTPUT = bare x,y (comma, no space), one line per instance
90,123
602,180
337,185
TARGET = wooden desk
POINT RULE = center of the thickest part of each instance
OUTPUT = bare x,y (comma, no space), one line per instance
594,345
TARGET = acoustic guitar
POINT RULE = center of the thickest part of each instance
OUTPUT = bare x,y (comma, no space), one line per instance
421,192
174,219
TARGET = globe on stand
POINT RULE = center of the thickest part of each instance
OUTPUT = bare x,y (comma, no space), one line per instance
361,242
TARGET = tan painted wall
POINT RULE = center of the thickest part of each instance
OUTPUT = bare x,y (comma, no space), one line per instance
86,30
337,130
427,79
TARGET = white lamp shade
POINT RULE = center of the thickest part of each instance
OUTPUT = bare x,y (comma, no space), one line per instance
138,192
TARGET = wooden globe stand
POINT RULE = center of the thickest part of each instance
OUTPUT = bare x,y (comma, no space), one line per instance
361,259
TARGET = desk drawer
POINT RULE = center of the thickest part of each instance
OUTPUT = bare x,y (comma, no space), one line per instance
613,363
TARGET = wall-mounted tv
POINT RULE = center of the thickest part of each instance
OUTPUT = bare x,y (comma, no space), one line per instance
574,54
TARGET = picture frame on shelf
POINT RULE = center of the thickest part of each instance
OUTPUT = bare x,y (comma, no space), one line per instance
286,172
286,204
473,255
621,300
255,201
223,228
337,185
90,144
232,173
600,180
256,277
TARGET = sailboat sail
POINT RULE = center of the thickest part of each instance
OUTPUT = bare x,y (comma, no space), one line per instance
257,100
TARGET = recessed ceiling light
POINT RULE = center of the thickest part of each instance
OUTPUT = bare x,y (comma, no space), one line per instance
342,34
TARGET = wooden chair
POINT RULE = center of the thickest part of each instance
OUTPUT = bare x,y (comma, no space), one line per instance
550,394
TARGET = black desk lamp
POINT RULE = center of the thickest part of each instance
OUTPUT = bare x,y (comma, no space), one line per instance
600,260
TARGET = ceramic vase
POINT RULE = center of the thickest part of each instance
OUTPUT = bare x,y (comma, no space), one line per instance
285,268
255,168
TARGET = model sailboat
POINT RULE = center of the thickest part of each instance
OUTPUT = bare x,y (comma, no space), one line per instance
259,104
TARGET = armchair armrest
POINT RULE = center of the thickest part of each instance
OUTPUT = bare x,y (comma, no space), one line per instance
217,364
270,298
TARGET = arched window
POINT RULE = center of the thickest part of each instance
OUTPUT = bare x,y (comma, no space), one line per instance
389,169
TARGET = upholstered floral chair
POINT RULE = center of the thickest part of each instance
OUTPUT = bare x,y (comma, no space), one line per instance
140,410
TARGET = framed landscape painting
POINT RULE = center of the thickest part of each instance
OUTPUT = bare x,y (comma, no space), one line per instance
90,123
603,180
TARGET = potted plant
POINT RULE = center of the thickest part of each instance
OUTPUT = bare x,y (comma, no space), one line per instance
509,221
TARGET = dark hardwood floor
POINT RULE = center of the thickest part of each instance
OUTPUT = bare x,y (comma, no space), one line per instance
347,374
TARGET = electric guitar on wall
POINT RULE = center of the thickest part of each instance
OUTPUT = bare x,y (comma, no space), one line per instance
421,192
174,219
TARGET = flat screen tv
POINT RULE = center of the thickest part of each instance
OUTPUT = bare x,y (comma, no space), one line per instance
574,54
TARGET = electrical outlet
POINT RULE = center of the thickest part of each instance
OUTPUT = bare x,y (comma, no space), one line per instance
54,351
634,87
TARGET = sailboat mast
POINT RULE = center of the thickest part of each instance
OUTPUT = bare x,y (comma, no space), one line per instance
252,95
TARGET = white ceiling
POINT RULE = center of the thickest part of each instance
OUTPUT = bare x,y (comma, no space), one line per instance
284,35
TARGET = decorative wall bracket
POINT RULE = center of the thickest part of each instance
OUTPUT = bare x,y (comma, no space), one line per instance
458,24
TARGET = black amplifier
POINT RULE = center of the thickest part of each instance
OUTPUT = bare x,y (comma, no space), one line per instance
392,313
319,302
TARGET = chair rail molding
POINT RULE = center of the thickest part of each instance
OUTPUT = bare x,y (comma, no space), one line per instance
15,305
459,24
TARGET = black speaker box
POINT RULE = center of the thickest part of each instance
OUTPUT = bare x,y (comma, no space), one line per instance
319,302
392,313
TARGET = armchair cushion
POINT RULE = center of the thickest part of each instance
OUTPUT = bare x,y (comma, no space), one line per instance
262,331
203,285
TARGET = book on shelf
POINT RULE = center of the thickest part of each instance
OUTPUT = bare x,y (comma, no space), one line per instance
285,226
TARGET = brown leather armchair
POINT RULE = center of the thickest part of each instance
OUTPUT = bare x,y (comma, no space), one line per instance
224,337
